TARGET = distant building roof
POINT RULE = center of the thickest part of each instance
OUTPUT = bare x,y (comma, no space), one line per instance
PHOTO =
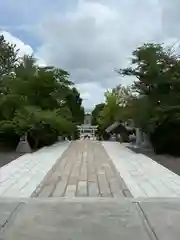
117,124
112,127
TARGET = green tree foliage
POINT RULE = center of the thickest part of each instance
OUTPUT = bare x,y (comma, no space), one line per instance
40,102
8,57
124,96
109,113
96,113
153,100
115,108
74,103
156,108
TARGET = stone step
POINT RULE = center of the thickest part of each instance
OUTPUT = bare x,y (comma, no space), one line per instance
89,218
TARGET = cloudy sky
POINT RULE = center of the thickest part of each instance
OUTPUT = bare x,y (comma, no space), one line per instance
88,38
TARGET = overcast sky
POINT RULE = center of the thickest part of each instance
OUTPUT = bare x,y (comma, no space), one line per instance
88,38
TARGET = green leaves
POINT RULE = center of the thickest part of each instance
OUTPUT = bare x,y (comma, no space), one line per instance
153,100
6,126
35,100
96,113
115,108
8,57
157,70
74,102
156,108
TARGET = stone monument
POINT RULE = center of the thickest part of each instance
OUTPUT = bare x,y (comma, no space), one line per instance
60,138
142,143
23,145
139,137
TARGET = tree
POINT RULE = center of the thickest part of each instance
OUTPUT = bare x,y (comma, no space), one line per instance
124,97
39,102
96,113
8,57
116,106
157,73
8,61
41,125
74,102
109,113
123,94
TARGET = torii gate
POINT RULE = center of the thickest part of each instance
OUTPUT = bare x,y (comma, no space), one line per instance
86,129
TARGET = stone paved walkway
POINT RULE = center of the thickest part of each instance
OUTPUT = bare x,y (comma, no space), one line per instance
84,170
143,176
83,195
21,177
89,219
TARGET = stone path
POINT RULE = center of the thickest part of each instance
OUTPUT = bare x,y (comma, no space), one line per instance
81,195
84,170
143,176
21,177
89,218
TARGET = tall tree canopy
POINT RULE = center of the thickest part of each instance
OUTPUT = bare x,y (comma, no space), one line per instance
8,57
74,103
157,106
40,102
153,100
96,113
115,108
109,113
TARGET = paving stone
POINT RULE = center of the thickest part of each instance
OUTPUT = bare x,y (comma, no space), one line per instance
68,168
109,171
49,185
83,175
6,211
148,188
78,220
73,180
164,218
84,162
142,176
127,193
76,170
16,177
60,188
115,188
104,186
82,189
93,189
70,191
92,177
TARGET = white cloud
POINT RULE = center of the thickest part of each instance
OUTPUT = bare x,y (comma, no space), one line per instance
92,38
91,93
23,49
95,39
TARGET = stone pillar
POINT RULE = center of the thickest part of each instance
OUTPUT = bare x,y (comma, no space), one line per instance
139,137
60,138
23,145
146,143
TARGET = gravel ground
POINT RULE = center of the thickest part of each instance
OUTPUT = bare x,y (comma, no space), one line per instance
170,162
8,156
